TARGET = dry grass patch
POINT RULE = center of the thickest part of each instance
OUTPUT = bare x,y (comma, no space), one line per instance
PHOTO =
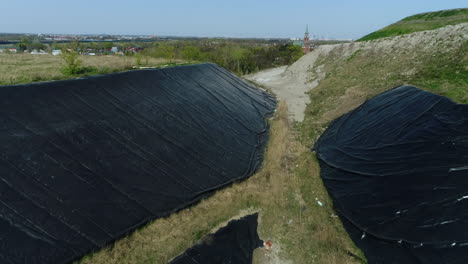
27,68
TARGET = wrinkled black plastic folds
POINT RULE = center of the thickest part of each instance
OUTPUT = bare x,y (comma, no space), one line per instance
233,243
84,162
397,170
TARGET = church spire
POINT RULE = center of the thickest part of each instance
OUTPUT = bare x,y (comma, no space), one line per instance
306,42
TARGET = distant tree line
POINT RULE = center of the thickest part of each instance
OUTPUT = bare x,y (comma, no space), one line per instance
31,43
239,56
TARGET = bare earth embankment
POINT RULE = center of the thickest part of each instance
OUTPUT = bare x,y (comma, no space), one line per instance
403,56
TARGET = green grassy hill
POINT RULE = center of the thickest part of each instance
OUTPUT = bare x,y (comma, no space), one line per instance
421,22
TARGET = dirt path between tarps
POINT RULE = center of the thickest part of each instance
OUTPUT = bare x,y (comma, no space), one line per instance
286,90
292,83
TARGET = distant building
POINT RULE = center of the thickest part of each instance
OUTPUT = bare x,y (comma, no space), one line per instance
306,45
7,48
40,52
56,52
298,43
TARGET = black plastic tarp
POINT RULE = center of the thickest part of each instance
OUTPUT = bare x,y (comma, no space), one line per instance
397,170
83,162
233,243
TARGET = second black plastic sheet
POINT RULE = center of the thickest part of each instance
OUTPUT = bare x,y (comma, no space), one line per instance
397,170
233,243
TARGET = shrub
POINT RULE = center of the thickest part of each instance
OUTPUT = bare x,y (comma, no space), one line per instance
71,58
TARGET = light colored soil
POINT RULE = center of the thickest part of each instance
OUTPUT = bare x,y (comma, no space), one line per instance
291,91
292,83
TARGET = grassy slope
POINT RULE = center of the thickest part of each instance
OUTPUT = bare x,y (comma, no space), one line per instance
420,22
352,80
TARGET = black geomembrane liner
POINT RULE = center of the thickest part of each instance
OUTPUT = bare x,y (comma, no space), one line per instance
86,161
397,170
233,243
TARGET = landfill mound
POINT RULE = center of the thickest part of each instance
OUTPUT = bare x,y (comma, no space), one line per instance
397,170
233,243
86,161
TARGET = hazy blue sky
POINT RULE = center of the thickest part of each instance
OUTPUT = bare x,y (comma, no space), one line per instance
237,18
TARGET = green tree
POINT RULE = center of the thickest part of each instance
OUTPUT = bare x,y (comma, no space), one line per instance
108,45
191,53
38,46
295,52
55,46
25,43
165,51
138,58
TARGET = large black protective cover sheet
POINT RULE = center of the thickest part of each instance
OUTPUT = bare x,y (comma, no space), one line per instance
397,170
83,162
233,243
